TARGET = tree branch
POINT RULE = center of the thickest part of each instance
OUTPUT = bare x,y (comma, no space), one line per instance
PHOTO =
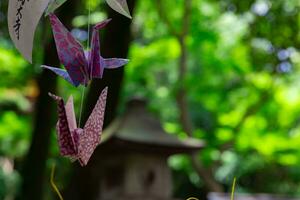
165,19
181,96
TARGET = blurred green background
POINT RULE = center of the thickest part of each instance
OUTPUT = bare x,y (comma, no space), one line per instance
226,72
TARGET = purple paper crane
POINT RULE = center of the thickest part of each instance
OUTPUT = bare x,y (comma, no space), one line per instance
77,143
81,66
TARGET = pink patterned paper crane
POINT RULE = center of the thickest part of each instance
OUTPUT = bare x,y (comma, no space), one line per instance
81,66
78,143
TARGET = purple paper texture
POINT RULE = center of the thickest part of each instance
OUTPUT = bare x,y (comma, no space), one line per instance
78,143
81,66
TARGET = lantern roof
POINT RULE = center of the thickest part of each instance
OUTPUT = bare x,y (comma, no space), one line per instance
140,129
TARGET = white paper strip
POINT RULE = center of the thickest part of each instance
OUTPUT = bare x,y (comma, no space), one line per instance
120,6
23,17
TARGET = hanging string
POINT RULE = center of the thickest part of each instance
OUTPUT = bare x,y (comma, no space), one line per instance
91,66
88,40
89,22
233,189
81,104
55,188
88,49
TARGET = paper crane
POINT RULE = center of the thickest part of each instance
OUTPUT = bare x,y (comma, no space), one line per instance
81,66
77,143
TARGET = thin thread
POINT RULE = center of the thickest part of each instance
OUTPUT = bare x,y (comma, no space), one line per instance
53,183
88,48
88,44
89,22
81,105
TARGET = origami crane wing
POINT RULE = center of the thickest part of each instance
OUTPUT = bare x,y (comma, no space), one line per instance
112,63
60,72
71,114
70,52
65,139
90,137
95,66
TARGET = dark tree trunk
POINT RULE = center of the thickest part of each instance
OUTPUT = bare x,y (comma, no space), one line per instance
117,37
33,171
115,43
34,167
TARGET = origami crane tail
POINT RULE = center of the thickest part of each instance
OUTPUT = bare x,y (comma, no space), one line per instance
102,24
66,138
60,72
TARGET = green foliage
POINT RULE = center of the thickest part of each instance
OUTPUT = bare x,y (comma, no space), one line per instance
8,183
8,58
242,85
14,135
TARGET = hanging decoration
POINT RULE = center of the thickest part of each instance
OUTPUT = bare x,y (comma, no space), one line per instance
77,143
81,66
24,15
23,18
120,6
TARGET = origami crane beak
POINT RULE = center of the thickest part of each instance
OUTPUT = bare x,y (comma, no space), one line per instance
56,98
102,24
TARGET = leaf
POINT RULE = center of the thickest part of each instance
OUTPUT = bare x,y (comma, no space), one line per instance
120,6
53,5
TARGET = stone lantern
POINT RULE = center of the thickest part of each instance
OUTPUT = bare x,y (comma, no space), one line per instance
133,157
